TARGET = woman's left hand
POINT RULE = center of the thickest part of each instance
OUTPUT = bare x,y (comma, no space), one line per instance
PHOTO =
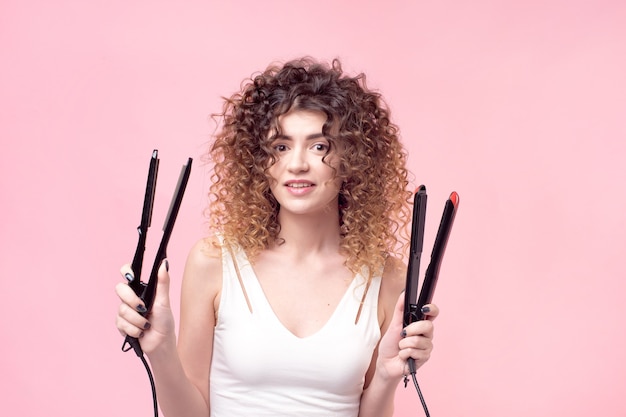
399,344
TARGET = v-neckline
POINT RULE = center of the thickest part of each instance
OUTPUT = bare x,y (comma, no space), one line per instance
268,305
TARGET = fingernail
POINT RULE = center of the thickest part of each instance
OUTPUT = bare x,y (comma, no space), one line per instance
141,335
425,309
141,308
147,325
403,333
129,277
167,266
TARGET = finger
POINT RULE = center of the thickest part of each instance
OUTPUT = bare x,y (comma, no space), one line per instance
430,311
162,296
127,272
424,328
132,317
414,343
420,356
417,347
128,296
127,328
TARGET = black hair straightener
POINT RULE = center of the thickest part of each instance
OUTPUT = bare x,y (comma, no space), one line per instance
147,291
412,303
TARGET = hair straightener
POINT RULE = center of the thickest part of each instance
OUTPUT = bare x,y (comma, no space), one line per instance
412,303
147,291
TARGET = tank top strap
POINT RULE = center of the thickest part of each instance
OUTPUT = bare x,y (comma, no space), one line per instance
369,290
234,261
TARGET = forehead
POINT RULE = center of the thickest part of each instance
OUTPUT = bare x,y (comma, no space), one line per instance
301,120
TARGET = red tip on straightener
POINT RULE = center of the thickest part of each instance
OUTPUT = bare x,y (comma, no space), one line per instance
454,197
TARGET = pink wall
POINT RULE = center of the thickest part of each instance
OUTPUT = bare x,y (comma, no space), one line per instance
518,106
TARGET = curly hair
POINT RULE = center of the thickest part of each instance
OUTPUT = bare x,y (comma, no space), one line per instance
374,203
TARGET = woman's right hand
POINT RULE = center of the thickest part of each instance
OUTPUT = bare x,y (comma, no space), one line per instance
157,328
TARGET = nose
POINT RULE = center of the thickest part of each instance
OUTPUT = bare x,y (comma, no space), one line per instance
298,161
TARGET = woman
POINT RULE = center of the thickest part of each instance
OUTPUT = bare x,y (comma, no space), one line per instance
293,305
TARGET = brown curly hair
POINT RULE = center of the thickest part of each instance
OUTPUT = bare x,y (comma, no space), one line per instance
374,203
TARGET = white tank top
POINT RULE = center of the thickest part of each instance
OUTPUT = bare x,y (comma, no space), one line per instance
261,369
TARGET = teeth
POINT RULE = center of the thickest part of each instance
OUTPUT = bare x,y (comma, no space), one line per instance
299,185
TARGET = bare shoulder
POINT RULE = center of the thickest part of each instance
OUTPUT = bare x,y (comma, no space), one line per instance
204,262
394,276
202,284
201,287
392,284
202,279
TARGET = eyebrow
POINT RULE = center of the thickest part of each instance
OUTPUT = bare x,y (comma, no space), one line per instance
308,137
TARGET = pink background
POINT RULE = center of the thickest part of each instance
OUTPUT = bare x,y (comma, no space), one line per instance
519,106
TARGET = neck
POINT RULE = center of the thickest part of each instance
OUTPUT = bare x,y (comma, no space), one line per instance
310,234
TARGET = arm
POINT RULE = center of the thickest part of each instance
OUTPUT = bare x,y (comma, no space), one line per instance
181,373
388,363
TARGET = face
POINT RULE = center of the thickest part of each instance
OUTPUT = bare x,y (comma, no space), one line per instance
300,180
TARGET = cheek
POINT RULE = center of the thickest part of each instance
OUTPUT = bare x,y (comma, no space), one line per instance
334,182
336,162
272,171
271,182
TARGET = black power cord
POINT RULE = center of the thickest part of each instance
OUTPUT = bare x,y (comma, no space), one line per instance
152,386
419,392
132,343
412,371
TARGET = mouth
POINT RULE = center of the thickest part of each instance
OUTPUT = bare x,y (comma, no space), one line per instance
299,185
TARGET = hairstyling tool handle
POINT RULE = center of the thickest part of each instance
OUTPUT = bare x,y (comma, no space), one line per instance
147,291
415,255
413,303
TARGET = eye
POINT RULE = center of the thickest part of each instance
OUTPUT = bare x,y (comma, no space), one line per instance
280,147
321,147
